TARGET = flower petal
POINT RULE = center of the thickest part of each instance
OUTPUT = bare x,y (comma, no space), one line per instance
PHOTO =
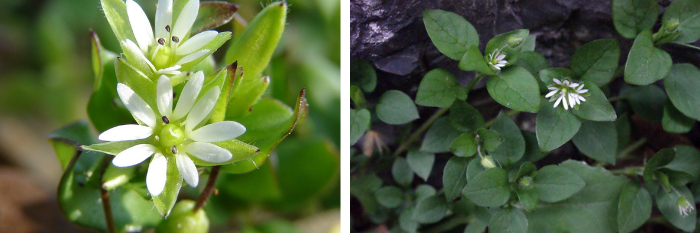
208,152
558,100
187,169
164,96
157,174
136,105
572,102
196,42
582,91
550,94
189,95
564,102
556,81
126,133
134,155
140,25
186,18
219,131
164,17
500,57
192,56
202,108
136,57
173,70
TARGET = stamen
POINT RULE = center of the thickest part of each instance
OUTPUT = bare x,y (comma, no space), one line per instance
175,39
161,41
167,28
166,120
173,149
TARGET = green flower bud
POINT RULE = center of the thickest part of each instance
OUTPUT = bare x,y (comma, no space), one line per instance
488,162
182,219
514,41
171,135
671,25
525,182
684,206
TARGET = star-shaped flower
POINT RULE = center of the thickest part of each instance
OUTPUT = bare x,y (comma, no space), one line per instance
569,92
684,206
497,60
175,133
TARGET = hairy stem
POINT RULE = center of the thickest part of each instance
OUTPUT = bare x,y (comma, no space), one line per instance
208,189
106,204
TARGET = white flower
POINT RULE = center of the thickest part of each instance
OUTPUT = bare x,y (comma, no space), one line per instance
684,206
174,135
165,52
496,59
569,92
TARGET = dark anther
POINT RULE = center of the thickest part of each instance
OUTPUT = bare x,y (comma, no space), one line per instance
166,120
161,41
174,149
175,39
81,184
174,95
167,28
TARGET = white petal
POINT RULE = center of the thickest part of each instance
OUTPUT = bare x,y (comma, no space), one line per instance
219,131
165,96
136,56
558,100
495,66
582,91
187,169
164,17
577,99
140,25
208,152
136,105
550,87
202,108
572,102
186,18
173,70
550,94
157,174
192,56
500,57
573,85
502,62
196,42
134,155
556,81
563,102
189,95
581,98
126,133
500,65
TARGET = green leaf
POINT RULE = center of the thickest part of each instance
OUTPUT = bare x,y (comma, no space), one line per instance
634,208
596,107
223,79
137,81
597,140
279,121
102,113
491,139
359,123
533,62
439,137
529,44
555,183
513,147
596,61
555,126
402,172
547,75
687,12
65,141
389,196
213,14
363,75
450,33
632,16
646,64
532,149
406,222
474,169
263,185
464,145
439,89
526,169
473,60
673,121
667,203
117,176
685,160
165,201
500,42
475,226
508,220
430,209
624,131
245,93
396,108
357,96
682,85
516,89
363,188
113,148
593,209
660,159
423,191
528,196
648,102
240,151
253,48
489,189
420,162
464,117
454,177
115,12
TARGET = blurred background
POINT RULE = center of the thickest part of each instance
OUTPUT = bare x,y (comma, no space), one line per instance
46,81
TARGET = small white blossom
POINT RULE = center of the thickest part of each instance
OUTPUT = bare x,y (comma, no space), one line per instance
567,92
684,206
497,60
175,136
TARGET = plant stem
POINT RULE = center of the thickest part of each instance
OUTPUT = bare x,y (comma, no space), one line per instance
686,45
509,113
106,204
474,81
208,189
632,148
616,98
420,131
628,171
450,223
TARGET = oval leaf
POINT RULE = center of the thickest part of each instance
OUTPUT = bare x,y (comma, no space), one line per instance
555,183
516,89
396,108
555,126
489,189
450,33
646,64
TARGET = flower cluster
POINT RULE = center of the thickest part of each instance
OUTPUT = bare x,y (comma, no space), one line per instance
567,92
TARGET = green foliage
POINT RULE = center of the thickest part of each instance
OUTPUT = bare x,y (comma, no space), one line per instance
439,89
555,183
597,140
596,61
489,188
439,137
464,117
464,145
687,13
421,163
681,85
634,207
363,75
396,108
555,126
430,209
596,107
454,177
646,64
450,33
508,220
515,88
513,147
648,102
359,123
632,16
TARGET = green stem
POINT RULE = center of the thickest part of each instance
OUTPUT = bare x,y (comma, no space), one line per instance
104,194
509,113
450,223
474,81
687,45
420,131
632,148
616,98
628,171
208,189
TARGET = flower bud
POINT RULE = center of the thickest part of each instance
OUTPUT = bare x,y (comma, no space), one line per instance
671,25
514,41
182,219
488,162
525,183
684,206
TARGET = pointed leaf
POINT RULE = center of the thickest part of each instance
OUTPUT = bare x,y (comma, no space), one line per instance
439,137
464,145
439,89
454,177
450,33
464,117
596,107
632,16
682,85
596,61
687,12
634,208
421,163
597,140
489,189
212,15
473,60
646,64
555,183
508,220
515,88
513,147
555,126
